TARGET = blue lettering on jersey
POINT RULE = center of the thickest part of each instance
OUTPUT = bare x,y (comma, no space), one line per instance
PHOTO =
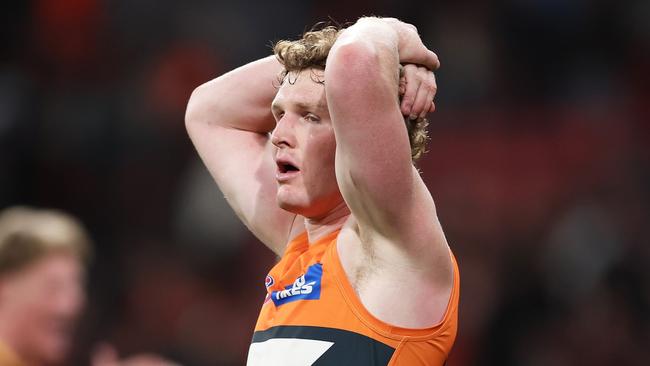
305,287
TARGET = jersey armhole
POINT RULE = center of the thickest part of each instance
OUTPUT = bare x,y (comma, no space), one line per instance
448,321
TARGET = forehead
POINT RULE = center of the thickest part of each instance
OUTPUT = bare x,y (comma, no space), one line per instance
54,262
303,89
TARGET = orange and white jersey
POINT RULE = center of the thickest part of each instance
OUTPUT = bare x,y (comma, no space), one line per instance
312,316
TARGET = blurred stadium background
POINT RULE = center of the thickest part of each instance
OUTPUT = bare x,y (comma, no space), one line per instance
538,162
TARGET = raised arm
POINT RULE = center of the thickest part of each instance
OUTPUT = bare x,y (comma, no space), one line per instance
374,169
229,120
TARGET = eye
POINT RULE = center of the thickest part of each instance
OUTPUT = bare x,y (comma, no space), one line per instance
311,117
279,115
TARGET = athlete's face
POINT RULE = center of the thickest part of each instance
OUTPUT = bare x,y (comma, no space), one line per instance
43,301
305,146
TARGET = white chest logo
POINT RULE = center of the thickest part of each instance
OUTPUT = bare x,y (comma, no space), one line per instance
286,352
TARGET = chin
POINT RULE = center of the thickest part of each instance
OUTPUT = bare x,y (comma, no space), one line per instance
307,207
56,354
287,204
55,350
295,206
288,199
308,211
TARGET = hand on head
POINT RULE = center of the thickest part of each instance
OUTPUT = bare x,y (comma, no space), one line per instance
410,48
417,90
417,83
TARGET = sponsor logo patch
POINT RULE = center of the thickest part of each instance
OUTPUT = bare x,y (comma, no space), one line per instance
305,287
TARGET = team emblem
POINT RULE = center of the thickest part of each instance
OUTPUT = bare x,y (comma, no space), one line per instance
269,281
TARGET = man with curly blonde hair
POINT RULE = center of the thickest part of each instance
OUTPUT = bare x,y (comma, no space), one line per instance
319,166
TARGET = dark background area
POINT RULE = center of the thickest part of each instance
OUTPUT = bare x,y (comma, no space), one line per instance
538,163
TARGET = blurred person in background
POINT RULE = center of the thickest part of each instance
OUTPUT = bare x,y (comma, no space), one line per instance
321,170
43,255
106,355
42,259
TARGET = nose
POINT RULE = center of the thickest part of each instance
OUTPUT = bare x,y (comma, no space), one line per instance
284,135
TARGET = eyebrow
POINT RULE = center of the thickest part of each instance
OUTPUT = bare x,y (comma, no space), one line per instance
301,105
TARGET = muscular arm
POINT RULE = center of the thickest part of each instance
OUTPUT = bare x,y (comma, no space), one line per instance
228,120
373,162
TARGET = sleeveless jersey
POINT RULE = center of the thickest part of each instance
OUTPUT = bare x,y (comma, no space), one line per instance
313,316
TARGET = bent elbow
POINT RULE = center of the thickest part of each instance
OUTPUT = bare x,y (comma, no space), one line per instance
356,66
352,59
196,106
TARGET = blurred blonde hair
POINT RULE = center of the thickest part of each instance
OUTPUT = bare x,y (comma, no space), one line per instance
311,51
28,234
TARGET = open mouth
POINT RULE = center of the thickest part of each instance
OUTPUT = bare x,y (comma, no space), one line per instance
286,168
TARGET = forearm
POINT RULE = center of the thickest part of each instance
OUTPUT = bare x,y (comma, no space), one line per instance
240,99
362,94
362,76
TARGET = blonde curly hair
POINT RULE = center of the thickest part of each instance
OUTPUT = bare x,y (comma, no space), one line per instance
311,51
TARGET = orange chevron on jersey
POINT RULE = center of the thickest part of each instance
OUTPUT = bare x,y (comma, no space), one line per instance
312,316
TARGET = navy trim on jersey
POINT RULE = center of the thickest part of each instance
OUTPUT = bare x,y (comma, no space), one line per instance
349,348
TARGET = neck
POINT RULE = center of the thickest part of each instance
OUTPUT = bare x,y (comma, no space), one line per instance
319,227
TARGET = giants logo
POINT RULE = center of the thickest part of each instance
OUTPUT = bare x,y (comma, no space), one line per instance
269,281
